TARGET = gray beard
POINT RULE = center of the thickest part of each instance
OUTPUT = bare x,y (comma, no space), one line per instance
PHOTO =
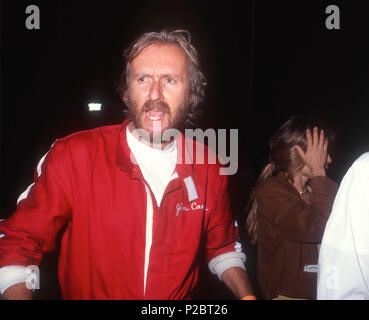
175,121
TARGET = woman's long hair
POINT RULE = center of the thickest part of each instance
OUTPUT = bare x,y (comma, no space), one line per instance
283,160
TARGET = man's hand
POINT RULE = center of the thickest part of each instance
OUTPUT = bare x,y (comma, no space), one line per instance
316,154
237,281
18,292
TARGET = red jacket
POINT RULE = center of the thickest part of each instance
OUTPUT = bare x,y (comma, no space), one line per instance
88,183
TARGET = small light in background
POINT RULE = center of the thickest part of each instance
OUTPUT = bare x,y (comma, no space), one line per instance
94,106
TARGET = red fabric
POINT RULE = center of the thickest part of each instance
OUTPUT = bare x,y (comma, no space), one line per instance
89,184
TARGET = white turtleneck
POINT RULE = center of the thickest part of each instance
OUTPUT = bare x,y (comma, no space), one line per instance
157,165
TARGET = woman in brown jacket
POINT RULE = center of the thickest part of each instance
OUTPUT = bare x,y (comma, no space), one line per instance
288,210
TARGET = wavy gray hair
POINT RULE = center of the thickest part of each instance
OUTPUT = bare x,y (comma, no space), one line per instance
182,39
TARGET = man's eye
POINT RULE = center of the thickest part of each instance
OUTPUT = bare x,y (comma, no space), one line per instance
142,79
170,80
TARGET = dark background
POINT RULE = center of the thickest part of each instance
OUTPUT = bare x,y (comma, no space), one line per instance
264,61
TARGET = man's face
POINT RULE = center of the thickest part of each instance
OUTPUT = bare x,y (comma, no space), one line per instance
158,88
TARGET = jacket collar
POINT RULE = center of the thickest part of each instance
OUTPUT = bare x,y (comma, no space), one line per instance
184,168
185,146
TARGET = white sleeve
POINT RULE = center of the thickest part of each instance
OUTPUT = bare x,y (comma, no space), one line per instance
11,275
225,261
344,253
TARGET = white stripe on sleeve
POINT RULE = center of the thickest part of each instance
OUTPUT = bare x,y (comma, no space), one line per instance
24,195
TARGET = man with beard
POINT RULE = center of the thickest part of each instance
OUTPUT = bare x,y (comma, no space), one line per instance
137,215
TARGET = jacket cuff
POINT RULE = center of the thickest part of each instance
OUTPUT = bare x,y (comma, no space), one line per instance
11,275
225,261
325,183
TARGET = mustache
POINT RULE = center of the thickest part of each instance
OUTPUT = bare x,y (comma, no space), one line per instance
158,106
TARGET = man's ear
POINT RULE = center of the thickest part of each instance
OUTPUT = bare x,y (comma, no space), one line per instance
191,99
125,97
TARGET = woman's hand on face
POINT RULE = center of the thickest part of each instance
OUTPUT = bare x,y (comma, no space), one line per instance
315,156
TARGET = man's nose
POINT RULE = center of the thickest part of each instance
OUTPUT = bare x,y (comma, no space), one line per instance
155,91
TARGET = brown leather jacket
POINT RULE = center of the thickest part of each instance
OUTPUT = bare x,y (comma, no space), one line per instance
289,229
